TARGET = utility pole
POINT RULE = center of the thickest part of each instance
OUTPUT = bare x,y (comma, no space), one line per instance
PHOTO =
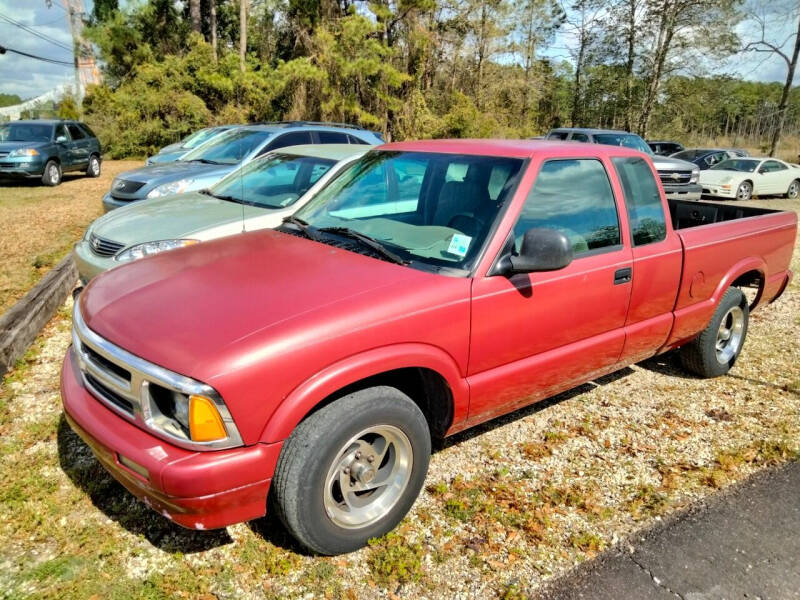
86,71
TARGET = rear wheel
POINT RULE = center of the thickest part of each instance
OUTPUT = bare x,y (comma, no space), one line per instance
794,190
52,173
716,349
93,168
352,470
744,191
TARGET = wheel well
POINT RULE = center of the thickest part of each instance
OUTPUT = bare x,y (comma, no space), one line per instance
427,388
751,280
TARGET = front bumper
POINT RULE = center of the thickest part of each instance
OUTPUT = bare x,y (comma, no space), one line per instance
692,191
17,169
110,203
198,490
89,264
718,191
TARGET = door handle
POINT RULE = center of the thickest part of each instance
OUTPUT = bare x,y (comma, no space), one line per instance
622,275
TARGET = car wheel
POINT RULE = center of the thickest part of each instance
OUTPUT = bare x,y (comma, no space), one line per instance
93,168
352,470
716,349
794,190
52,173
744,191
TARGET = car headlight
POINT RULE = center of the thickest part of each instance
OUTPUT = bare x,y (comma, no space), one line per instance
22,152
150,248
176,187
695,175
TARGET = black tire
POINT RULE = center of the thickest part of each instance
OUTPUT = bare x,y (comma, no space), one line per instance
744,192
794,190
51,175
94,166
313,450
702,356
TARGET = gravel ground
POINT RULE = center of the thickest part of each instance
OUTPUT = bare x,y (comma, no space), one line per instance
507,506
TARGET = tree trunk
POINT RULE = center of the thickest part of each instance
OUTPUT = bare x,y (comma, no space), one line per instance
575,117
665,32
776,134
194,15
631,37
242,33
212,13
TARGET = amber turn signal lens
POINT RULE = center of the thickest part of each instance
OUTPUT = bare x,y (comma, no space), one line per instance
205,423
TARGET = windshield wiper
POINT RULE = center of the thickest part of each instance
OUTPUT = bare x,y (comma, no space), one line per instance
302,226
208,192
205,161
366,241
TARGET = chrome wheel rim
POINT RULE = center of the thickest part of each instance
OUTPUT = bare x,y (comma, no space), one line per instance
367,477
95,166
744,192
729,335
53,173
794,190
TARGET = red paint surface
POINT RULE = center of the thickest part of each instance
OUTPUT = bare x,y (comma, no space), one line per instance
275,323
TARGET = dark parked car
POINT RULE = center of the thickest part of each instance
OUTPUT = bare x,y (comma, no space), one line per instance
705,158
48,148
662,148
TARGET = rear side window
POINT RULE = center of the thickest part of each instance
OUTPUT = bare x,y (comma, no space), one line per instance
332,137
356,140
575,198
645,211
75,131
87,131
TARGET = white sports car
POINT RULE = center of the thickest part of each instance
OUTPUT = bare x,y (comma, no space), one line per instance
741,178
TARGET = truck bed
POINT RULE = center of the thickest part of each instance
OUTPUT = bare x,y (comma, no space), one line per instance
685,213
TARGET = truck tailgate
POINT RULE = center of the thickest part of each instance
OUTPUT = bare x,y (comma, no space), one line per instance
717,254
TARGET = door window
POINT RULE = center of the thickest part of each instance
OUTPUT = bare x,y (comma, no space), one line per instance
557,135
332,137
579,137
642,199
575,198
295,138
771,166
61,131
75,131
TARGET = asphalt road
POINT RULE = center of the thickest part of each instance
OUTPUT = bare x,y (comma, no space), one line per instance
741,544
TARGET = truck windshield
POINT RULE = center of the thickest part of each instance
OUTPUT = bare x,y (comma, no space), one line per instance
228,148
430,209
274,181
628,140
737,164
24,132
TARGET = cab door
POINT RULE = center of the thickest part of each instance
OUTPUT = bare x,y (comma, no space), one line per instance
774,178
79,147
539,333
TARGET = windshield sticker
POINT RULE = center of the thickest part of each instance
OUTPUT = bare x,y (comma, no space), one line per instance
459,244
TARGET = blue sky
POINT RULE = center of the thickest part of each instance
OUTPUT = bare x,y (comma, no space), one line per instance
27,77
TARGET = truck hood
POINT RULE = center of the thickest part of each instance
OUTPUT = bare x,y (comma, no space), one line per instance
170,217
9,146
220,306
665,163
160,174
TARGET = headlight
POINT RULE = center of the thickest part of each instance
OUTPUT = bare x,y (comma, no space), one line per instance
23,152
695,175
192,416
150,248
176,187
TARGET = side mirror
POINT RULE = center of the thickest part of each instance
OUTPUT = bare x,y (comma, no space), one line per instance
61,139
542,250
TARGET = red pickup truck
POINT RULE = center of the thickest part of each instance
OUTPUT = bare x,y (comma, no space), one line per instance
432,286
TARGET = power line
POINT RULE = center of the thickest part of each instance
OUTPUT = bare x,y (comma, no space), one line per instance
4,49
38,34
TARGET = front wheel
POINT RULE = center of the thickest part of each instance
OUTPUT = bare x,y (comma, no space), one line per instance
93,168
52,173
716,349
744,191
352,470
794,190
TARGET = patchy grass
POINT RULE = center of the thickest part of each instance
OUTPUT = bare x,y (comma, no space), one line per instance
41,224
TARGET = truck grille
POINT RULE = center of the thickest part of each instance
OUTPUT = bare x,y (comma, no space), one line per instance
3,154
104,247
675,177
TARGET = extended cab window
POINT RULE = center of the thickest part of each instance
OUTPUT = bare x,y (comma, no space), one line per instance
575,198
645,211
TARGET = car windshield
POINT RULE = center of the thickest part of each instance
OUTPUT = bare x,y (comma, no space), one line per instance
691,154
627,140
25,132
737,164
228,148
431,210
274,181
198,137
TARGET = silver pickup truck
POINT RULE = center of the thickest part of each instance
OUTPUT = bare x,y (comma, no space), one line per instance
678,177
